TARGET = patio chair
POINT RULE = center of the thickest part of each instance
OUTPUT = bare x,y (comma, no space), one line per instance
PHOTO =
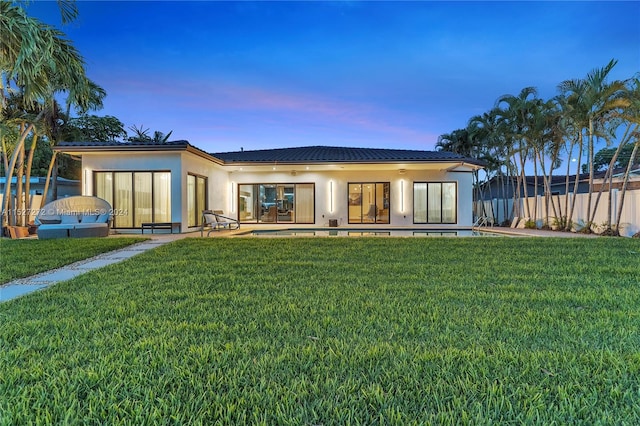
76,217
216,221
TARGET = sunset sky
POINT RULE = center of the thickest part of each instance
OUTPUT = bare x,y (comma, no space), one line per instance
225,75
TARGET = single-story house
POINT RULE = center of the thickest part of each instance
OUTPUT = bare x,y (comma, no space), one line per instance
174,181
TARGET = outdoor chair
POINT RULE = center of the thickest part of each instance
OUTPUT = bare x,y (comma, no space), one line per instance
214,220
74,217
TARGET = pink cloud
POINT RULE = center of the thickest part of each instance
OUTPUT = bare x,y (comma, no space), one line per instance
250,104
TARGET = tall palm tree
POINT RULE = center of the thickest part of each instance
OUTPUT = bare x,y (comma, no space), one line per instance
515,116
632,118
38,62
592,101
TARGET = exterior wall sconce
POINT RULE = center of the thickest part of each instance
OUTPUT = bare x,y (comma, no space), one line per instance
330,196
232,197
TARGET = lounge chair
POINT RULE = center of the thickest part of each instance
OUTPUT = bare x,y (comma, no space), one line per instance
216,221
76,217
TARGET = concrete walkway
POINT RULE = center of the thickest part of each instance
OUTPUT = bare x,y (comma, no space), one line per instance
22,286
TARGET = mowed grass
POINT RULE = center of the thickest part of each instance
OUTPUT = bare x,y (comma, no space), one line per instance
22,258
334,331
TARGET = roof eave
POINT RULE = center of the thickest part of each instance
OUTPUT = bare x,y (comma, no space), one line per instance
80,149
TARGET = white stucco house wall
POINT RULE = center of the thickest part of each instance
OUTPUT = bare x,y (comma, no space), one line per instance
306,187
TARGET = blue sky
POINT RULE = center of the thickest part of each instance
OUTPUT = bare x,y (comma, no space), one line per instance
225,75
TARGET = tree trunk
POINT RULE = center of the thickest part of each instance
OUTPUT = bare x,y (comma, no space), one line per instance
5,157
575,186
19,206
46,183
12,165
608,176
27,189
54,181
546,183
624,186
524,183
591,154
566,183
535,188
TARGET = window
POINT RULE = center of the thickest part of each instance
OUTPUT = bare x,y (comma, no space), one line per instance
276,203
196,199
369,202
135,197
435,202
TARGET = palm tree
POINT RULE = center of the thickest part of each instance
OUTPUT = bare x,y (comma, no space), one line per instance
515,116
632,118
41,62
142,135
592,102
485,134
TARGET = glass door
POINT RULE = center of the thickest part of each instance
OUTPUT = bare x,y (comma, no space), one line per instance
276,203
369,202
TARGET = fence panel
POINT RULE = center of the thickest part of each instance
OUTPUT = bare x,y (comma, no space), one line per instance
629,221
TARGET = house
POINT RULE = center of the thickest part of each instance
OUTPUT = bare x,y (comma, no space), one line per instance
174,181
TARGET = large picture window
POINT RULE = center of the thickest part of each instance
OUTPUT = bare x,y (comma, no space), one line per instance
369,202
136,197
435,202
276,203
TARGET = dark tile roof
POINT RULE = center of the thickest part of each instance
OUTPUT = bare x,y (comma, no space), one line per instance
300,155
333,154
178,144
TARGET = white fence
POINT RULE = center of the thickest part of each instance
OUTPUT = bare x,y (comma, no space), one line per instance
494,210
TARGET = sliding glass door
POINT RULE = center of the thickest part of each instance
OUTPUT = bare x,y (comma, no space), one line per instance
369,202
276,203
135,197
196,199
435,202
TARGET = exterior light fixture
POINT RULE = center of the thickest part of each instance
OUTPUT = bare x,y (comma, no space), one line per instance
330,196
231,197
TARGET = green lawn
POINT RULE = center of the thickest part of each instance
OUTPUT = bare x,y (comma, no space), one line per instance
22,258
334,331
